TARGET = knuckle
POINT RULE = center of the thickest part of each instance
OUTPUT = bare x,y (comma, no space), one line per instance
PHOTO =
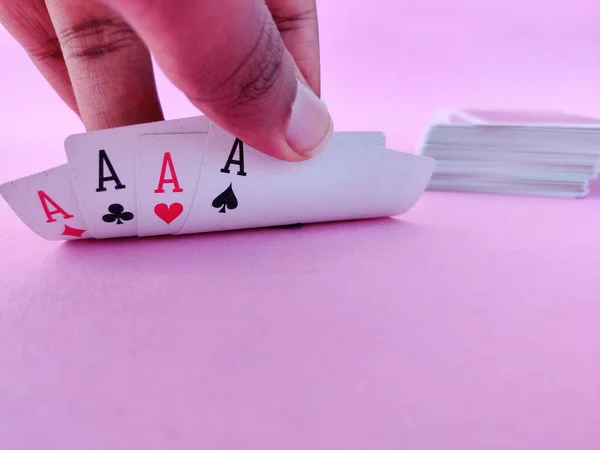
35,34
97,38
252,76
48,50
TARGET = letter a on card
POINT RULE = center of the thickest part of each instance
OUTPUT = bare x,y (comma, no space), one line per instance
168,165
47,204
103,170
168,168
349,180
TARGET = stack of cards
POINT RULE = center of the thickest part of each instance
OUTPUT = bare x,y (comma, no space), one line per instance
190,176
511,152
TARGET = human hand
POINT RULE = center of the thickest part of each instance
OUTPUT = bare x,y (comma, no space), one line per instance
238,61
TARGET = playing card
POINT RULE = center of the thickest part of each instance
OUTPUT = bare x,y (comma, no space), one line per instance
529,118
492,185
523,118
102,167
167,167
517,170
530,139
376,138
452,116
485,155
241,187
47,204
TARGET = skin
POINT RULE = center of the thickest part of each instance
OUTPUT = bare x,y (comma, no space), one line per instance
238,61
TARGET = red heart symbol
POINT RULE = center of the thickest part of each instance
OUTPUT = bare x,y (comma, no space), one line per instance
168,213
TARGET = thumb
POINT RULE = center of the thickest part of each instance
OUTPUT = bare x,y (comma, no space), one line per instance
229,59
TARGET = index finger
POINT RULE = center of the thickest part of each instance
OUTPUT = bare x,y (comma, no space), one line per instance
297,22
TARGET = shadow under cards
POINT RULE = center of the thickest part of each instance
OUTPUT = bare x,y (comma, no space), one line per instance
278,249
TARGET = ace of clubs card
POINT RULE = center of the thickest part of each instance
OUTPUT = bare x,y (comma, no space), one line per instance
103,172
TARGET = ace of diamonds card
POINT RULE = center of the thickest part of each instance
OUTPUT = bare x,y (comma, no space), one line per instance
47,204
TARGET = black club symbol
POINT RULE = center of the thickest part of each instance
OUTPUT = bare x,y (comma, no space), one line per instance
117,214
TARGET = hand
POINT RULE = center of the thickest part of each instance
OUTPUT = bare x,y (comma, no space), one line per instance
238,61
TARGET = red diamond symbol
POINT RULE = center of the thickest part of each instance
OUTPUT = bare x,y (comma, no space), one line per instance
75,232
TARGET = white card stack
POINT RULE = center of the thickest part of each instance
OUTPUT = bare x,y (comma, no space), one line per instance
546,154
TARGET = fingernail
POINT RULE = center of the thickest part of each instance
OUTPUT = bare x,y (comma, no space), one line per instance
310,126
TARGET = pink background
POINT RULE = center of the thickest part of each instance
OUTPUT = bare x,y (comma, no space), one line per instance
470,323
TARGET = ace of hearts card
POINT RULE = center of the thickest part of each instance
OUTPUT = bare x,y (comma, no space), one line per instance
103,171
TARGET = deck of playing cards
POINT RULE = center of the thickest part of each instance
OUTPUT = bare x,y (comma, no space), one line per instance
190,176
549,154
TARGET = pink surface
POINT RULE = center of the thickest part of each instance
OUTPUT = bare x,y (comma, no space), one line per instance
471,323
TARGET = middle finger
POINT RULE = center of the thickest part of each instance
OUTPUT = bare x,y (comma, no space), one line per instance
109,66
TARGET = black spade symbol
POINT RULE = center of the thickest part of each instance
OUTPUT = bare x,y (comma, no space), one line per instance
225,200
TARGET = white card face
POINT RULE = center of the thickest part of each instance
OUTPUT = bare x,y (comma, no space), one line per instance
103,173
47,204
529,118
242,188
562,189
376,138
168,167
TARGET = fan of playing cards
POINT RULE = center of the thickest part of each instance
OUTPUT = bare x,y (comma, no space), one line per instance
191,176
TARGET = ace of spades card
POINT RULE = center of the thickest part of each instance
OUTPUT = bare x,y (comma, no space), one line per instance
168,167
240,187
